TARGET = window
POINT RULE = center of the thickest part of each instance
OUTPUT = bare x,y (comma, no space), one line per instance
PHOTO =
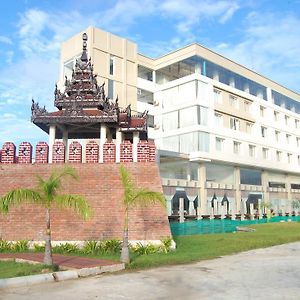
150,121
289,157
234,124
276,115
265,153
277,133
262,111
233,101
250,176
263,131
110,89
247,106
298,159
298,142
111,65
286,119
236,147
273,184
288,138
251,150
296,123
217,96
219,144
278,155
218,120
249,127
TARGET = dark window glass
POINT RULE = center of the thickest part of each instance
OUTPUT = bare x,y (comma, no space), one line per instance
250,176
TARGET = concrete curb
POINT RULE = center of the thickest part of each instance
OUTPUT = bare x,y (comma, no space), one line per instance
58,276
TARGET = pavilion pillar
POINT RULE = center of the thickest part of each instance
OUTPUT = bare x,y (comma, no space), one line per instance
136,139
202,193
103,132
52,132
119,138
65,138
238,193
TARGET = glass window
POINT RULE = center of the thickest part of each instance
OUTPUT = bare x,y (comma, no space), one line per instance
250,176
219,173
145,73
111,65
171,143
288,138
188,116
189,142
278,155
219,144
298,142
277,184
203,141
285,102
170,121
289,157
249,127
286,119
265,152
150,121
262,111
202,115
236,147
234,124
296,123
277,134
247,106
233,100
298,159
217,96
219,120
263,131
251,150
276,114
110,88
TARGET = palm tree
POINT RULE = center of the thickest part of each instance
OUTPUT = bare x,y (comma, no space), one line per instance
46,195
133,197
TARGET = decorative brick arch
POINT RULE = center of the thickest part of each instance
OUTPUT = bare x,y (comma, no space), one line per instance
41,153
126,151
75,152
8,153
58,155
143,151
25,153
92,152
109,152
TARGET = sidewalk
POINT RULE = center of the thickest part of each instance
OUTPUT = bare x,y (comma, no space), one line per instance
64,261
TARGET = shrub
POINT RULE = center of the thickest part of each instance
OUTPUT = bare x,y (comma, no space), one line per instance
38,248
66,248
91,247
5,246
111,246
20,246
167,243
142,249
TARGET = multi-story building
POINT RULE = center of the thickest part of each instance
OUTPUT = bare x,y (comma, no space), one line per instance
225,134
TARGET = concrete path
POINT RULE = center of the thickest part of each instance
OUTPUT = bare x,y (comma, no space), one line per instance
271,273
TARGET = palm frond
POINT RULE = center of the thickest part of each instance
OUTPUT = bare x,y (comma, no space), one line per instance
76,203
145,197
17,196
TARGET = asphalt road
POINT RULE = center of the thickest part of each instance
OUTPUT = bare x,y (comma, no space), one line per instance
271,273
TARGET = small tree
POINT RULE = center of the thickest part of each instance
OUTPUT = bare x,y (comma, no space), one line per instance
133,197
46,195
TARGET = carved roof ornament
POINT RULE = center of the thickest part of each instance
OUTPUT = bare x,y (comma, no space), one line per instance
84,101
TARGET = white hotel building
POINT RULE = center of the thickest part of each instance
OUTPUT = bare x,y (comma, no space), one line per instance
224,133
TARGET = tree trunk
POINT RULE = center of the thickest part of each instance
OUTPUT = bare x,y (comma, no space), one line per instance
125,247
48,260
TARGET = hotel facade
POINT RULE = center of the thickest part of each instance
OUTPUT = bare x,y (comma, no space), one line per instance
228,139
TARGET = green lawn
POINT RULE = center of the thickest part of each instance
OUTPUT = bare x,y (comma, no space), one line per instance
199,247
189,248
10,269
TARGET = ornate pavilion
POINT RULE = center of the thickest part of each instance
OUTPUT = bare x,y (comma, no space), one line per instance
84,111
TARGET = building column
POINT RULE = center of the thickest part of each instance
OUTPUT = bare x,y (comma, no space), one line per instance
154,77
181,210
103,130
289,195
202,193
238,194
119,139
136,139
52,132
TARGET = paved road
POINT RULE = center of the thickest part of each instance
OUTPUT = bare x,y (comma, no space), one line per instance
271,273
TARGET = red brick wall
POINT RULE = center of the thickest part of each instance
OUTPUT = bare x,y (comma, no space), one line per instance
101,185
126,151
58,155
75,152
109,152
92,152
142,151
8,153
41,153
25,153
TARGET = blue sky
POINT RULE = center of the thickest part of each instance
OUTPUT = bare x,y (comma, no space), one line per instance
260,34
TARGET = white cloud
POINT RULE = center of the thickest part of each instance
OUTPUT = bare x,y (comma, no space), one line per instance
5,40
270,46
